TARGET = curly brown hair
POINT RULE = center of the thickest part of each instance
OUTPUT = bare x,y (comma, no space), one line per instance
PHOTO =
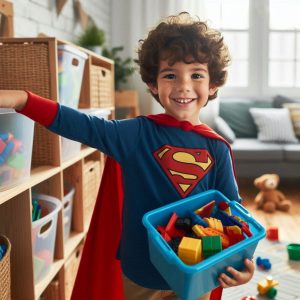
177,38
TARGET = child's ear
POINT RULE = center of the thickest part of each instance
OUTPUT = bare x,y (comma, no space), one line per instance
153,88
212,90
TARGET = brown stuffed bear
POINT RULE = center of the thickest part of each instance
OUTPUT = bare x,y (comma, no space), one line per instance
269,198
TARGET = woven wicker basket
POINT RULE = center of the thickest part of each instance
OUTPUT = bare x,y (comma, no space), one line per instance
91,183
5,281
101,87
25,66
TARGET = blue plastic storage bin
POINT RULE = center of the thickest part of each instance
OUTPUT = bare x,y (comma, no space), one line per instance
190,282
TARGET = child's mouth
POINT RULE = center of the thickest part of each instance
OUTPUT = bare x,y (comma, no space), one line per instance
183,100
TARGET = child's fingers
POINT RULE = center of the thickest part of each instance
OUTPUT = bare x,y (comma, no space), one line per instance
249,265
227,281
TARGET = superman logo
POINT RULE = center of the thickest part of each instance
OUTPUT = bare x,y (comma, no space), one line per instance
184,167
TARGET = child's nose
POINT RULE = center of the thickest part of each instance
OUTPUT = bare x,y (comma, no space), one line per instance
184,85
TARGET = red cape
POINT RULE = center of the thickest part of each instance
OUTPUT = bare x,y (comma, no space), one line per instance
99,275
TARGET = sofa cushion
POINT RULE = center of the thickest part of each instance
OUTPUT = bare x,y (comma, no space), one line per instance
291,152
236,114
224,129
279,100
274,125
250,149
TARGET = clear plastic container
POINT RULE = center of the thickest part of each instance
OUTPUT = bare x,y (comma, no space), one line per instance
68,209
16,138
192,281
43,235
71,63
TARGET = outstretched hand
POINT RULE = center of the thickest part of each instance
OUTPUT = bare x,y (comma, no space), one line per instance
13,99
237,277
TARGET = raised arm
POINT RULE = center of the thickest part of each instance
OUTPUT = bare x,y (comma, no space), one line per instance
13,99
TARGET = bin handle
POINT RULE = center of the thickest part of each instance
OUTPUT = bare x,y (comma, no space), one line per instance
45,234
158,243
75,62
242,209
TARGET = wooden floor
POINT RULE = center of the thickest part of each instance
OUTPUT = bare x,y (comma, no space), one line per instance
287,223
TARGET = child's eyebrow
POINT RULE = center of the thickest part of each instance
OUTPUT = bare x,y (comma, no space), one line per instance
174,69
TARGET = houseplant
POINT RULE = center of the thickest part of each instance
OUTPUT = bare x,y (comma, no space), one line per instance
92,38
123,67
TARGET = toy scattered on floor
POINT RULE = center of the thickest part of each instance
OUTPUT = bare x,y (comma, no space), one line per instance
3,249
249,298
263,263
12,158
204,232
269,199
267,287
293,251
272,233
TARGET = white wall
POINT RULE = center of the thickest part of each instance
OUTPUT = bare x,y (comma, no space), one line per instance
32,17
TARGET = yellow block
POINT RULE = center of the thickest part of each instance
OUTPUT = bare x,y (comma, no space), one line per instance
190,250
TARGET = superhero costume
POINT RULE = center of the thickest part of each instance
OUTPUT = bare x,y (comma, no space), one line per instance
156,146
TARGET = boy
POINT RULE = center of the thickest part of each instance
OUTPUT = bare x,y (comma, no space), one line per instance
164,157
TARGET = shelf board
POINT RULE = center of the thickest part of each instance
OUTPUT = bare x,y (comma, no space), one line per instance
38,175
41,286
85,151
72,242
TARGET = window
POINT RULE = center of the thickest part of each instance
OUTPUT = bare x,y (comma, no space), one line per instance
264,44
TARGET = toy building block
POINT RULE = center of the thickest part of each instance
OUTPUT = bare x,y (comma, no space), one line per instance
263,263
171,229
202,231
197,219
211,245
224,206
163,233
272,233
294,251
266,287
214,223
190,250
174,244
183,224
16,161
6,152
206,210
2,145
249,298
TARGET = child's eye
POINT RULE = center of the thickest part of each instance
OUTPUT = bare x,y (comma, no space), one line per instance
197,76
169,76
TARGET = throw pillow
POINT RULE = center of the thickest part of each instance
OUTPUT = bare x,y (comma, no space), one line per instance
235,112
279,101
274,125
223,129
294,109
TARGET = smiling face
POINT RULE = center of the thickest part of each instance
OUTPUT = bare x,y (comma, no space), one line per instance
183,89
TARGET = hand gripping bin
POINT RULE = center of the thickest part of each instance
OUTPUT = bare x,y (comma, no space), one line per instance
71,63
44,234
16,137
192,281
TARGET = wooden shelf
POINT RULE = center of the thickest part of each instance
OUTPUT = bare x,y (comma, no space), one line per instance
49,173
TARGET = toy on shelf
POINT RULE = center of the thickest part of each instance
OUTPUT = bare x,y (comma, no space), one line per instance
267,287
269,199
293,251
272,233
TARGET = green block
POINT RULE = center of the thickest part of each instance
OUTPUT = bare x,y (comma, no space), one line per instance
17,161
211,245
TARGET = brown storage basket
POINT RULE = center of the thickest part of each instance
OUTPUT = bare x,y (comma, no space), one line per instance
5,281
91,183
71,268
101,87
26,66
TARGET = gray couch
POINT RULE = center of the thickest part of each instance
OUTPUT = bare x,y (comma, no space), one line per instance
253,157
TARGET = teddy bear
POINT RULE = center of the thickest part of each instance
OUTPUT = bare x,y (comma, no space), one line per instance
269,199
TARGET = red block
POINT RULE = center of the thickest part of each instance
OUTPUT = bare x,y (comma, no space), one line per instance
272,233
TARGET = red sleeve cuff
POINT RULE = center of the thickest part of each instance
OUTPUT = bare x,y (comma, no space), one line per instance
40,109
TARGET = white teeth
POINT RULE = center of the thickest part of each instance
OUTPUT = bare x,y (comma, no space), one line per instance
184,101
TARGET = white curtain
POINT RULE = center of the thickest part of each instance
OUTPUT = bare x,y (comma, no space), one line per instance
131,21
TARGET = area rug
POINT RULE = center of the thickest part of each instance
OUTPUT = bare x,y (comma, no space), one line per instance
285,271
